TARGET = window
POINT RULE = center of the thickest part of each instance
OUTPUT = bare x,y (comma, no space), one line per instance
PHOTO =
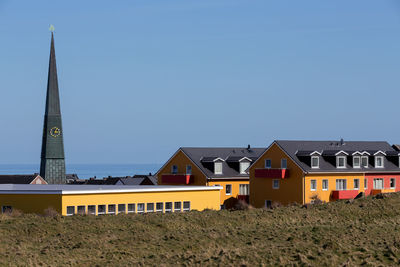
228,189
378,183
186,205
356,162
70,210
379,162
283,163
341,184
121,208
101,209
268,164
341,162
217,167
313,185
315,162
150,207
91,209
189,169
365,183
364,161
244,166
325,185
177,206
356,184
131,208
81,210
268,204
174,169
168,206
140,207
244,189
392,183
111,209
275,184
159,207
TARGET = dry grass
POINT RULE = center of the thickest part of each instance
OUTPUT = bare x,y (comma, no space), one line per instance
364,232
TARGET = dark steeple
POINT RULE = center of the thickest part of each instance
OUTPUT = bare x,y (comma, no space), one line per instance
52,165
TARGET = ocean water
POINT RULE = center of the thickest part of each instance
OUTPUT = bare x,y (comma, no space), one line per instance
86,171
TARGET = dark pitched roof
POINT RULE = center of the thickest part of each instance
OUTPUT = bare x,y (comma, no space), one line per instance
17,179
295,149
231,157
105,181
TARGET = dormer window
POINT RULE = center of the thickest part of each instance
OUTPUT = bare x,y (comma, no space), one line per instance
378,162
340,162
243,166
356,162
364,161
218,167
315,162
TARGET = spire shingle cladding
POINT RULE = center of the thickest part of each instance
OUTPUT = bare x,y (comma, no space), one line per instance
52,165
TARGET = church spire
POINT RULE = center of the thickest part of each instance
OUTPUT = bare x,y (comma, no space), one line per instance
52,165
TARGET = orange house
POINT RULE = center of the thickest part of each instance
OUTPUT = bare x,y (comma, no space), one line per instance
302,171
226,167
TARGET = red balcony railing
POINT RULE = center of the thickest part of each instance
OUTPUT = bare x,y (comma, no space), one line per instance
244,198
344,194
177,179
271,173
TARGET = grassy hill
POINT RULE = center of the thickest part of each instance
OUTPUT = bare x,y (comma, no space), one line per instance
366,231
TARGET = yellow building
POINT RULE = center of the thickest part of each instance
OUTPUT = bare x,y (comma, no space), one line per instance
106,199
303,171
226,167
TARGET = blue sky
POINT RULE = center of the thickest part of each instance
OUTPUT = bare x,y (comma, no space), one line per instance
139,79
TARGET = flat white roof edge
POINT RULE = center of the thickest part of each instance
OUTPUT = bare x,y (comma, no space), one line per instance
110,191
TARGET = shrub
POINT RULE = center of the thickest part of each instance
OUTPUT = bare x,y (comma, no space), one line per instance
50,212
316,200
242,205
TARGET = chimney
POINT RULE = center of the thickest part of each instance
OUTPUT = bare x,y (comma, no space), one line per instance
248,147
342,142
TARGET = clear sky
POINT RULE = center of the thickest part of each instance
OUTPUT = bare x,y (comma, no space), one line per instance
139,79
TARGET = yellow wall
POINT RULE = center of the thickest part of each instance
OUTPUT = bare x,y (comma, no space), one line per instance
181,160
290,188
199,200
31,203
235,188
325,195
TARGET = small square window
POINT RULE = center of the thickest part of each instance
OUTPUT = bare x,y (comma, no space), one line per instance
217,167
121,208
111,209
70,210
131,208
101,209
159,206
228,189
275,184
315,162
392,183
150,207
379,162
92,209
268,164
177,206
356,162
140,207
168,206
81,210
341,162
313,185
364,161
356,184
325,185
186,206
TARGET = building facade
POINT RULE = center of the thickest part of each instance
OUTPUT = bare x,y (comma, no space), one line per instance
303,171
226,167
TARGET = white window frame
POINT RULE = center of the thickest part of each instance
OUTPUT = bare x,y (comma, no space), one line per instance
168,209
103,212
327,185
367,158
313,181
344,161
147,207
134,208
359,162
162,207
84,209
68,214
124,205
188,169
111,212
376,162
243,166
183,205
273,183
219,163
354,184
270,163
180,206
390,182
344,187
244,188
282,161
174,169
141,205
226,189
88,211
317,158
380,179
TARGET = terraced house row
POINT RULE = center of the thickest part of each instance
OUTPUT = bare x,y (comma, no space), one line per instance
289,171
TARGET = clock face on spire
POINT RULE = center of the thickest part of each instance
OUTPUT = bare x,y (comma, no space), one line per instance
55,131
